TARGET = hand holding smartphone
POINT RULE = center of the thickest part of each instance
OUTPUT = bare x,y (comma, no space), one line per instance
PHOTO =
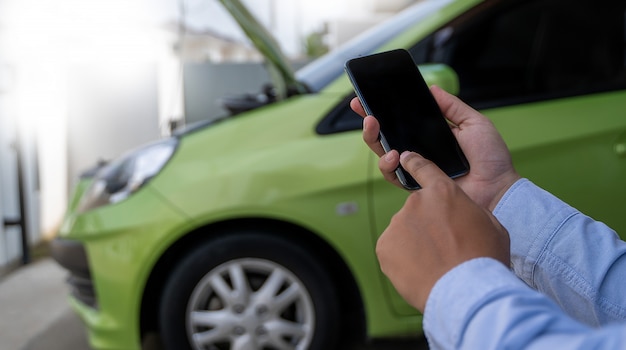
392,89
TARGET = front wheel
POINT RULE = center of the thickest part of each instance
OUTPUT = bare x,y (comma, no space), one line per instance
249,291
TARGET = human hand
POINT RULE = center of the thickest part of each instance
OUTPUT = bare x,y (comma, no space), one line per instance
491,169
438,228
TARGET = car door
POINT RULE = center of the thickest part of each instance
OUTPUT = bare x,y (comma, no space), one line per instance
551,75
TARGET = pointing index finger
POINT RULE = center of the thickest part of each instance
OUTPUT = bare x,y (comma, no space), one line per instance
423,170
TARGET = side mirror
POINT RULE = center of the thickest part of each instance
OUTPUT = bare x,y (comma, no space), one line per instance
441,75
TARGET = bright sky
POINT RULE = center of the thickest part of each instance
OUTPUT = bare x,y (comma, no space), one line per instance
286,19
70,27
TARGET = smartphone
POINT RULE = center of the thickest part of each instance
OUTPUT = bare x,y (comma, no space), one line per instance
392,89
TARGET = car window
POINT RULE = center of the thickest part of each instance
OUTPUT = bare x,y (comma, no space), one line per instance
525,51
511,52
341,118
324,70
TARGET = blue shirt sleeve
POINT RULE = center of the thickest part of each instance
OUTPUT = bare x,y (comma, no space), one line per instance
480,304
578,262
573,264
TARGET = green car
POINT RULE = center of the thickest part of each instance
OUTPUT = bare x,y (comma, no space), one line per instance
257,231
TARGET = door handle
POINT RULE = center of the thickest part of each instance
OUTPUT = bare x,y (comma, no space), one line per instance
620,146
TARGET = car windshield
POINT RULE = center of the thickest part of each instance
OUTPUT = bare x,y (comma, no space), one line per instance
321,72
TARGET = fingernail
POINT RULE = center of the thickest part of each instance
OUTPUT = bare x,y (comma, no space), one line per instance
388,157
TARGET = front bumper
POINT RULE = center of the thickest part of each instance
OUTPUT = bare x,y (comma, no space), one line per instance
109,254
71,255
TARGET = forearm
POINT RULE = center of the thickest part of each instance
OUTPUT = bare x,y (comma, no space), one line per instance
481,305
565,254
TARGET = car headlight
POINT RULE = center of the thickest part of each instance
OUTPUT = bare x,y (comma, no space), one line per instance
121,178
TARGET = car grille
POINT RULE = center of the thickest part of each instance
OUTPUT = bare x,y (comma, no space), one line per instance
72,256
82,289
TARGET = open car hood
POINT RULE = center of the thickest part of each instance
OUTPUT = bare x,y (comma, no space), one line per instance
317,74
284,82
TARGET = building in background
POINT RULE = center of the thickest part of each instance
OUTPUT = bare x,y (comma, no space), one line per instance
88,80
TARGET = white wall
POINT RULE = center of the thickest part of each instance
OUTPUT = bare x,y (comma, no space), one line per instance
67,52
109,112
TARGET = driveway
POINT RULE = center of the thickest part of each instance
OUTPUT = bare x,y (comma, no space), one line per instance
36,315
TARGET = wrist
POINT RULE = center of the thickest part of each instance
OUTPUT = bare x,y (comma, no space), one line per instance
501,186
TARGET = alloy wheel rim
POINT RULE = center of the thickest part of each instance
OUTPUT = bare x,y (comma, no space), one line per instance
250,303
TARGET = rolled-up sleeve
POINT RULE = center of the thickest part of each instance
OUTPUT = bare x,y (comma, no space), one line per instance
480,304
577,261
564,289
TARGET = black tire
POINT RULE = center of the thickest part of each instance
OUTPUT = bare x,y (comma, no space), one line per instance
207,305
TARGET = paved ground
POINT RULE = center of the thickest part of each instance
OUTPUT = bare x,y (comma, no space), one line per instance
31,299
35,315
65,333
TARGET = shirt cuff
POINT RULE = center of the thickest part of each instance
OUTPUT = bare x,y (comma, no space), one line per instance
459,294
531,215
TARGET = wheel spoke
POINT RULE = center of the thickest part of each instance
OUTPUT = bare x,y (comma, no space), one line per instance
240,283
221,324
210,337
280,330
220,318
221,288
271,286
287,297
245,342
280,344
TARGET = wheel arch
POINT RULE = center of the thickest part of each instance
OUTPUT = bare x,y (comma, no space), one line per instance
349,294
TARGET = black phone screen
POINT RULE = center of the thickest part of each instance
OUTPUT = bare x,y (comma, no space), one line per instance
392,89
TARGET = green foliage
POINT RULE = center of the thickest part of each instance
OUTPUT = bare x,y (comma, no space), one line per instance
314,45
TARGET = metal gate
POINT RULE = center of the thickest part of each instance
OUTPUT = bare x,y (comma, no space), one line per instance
19,192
